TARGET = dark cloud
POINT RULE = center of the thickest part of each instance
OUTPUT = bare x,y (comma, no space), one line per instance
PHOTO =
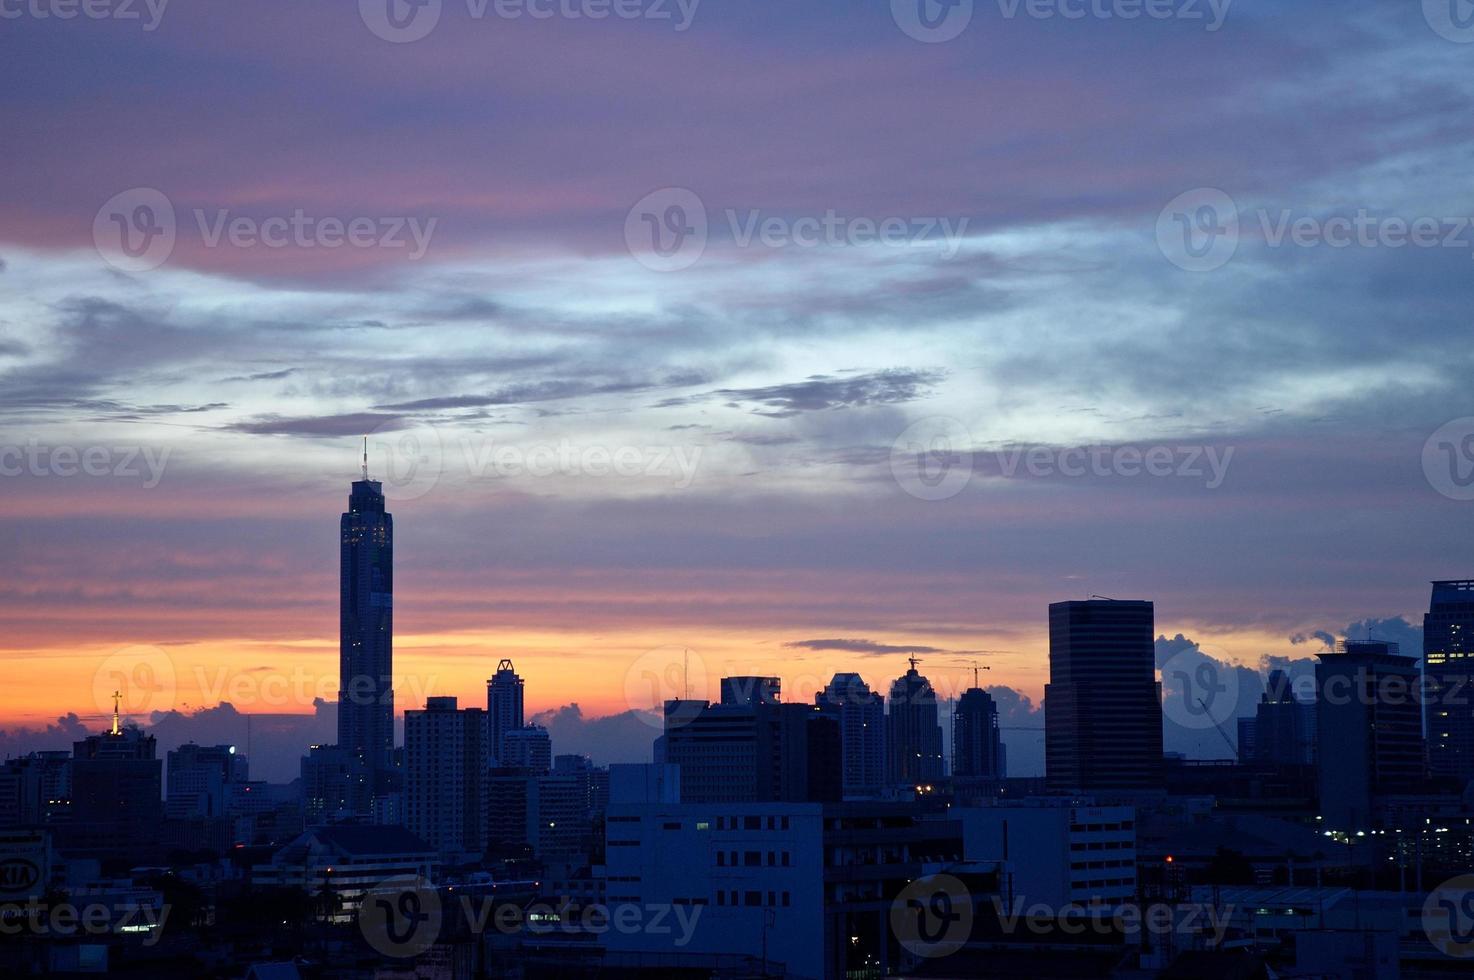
826,392
352,424
542,391
625,737
263,376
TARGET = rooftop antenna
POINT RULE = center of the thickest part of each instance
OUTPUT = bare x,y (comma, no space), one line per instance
913,661
365,459
117,722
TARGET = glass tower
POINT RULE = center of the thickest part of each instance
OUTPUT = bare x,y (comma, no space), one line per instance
366,631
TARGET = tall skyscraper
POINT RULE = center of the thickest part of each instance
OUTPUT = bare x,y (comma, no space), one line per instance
1370,728
503,706
860,713
117,799
913,736
1448,670
445,776
977,743
1103,704
366,630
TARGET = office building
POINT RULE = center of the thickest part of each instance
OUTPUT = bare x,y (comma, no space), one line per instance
1370,728
529,748
117,800
335,785
1102,705
1282,730
198,776
1055,853
860,714
445,777
913,736
1448,669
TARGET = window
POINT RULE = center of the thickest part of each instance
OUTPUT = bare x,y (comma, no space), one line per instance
754,899
752,859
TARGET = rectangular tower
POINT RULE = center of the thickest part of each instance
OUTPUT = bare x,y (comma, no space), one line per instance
1448,670
365,633
1103,704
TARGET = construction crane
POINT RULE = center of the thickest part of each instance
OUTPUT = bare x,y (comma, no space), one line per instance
1232,749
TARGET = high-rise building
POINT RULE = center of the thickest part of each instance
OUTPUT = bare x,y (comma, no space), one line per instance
1370,729
1448,670
36,789
117,799
743,691
334,785
366,632
529,748
197,777
1103,704
860,713
503,706
1282,730
913,736
758,750
977,743
445,776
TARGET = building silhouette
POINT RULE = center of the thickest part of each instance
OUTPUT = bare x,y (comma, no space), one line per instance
366,630
503,706
1370,729
117,799
1448,670
913,736
198,777
752,748
528,748
1102,705
445,776
860,714
1282,729
977,743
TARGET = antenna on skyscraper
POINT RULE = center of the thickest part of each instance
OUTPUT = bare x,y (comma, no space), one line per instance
365,459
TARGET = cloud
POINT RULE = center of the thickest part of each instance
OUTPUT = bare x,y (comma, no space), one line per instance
624,737
351,424
861,646
827,393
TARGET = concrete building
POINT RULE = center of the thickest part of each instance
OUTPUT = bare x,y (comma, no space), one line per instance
1370,729
445,776
860,714
913,737
348,860
504,706
1057,854
529,747
1103,704
197,777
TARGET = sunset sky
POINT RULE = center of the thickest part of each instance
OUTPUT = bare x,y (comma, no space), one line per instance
768,399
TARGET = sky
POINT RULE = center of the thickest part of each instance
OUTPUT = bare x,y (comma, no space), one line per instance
720,338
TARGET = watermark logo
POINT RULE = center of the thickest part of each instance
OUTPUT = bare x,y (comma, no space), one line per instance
143,463
932,459
1448,917
135,230
668,673
932,21
666,230
135,680
401,916
1448,459
1195,692
932,916
1198,230
400,21
1452,20
137,10
407,461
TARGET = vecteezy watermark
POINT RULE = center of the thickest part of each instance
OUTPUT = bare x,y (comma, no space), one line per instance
1448,917
1200,230
566,458
1196,694
668,230
403,916
297,686
936,21
137,230
933,459
1112,919
65,920
403,21
932,916
1452,20
145,463
666,686
148,12
136,680
1448,459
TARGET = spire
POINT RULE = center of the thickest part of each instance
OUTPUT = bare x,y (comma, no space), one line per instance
365,459
117,722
